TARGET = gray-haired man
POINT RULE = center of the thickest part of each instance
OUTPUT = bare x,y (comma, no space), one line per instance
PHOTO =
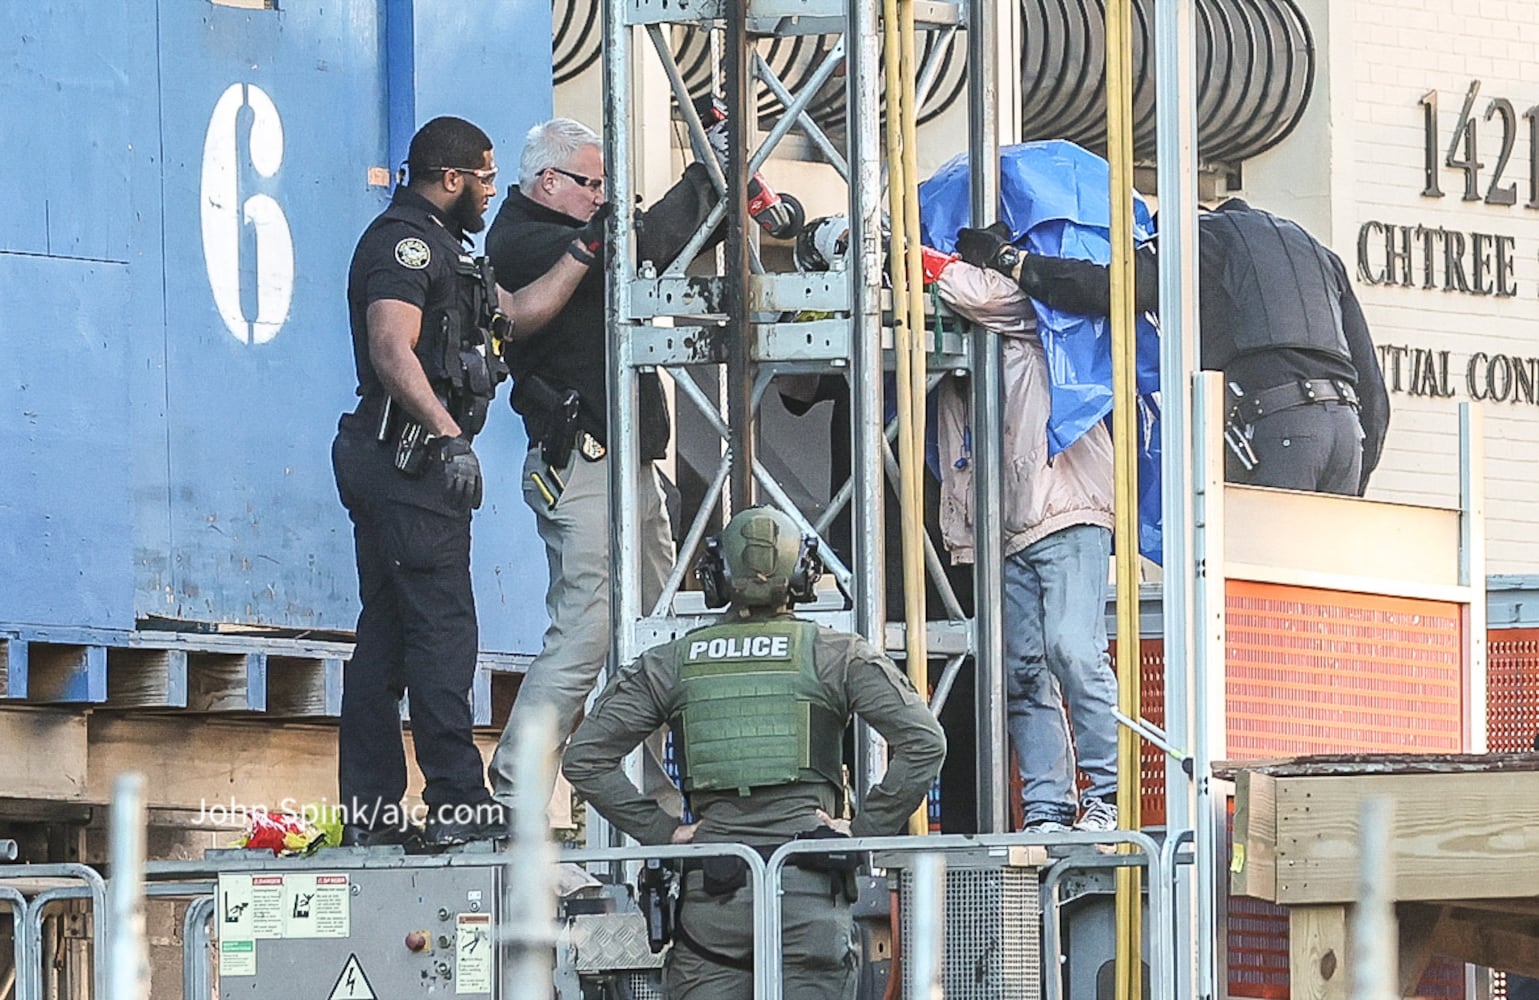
560,387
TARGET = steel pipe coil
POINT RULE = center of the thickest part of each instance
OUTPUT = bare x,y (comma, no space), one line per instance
1255,59
1255,71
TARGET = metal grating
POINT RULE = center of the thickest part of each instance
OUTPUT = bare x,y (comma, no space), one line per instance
993,933
641,986
1512,689
1322,671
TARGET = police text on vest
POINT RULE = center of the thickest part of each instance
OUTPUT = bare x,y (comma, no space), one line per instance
746,647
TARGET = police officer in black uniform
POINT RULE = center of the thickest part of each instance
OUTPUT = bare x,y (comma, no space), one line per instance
1308,408
427,325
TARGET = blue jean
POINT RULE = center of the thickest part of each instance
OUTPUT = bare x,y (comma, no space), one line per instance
1055,649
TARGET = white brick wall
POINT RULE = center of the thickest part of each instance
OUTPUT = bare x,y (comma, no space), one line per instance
1383,55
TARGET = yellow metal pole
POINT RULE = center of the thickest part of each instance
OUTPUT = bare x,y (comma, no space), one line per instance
1119,154
913,544
910,486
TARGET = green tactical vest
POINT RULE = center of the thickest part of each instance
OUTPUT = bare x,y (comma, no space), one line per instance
753,713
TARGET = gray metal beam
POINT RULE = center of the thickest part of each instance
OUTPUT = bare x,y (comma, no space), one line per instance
988,566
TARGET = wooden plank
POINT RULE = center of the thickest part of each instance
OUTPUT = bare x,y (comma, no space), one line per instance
333,675
146,678
1347,536
66,673
481,697
1418,923
300,687
1342,765
226,682
44,753
1317,953
1494,940
1253,868
13,667
196,764
1456,835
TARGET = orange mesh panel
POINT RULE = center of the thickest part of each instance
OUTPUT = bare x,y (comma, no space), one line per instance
1323,671
1512,689
1151,659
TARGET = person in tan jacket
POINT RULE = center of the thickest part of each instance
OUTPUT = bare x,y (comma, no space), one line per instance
1057,513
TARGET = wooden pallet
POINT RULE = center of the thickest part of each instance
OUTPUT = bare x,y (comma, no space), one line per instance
148,671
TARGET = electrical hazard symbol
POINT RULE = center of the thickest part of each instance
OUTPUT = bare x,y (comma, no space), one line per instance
352,984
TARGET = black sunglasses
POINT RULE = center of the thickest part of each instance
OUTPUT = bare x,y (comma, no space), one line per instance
591,183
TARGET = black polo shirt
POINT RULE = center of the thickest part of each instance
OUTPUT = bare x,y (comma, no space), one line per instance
408,253
525,241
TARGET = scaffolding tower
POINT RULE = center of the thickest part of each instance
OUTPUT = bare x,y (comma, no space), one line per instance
724,319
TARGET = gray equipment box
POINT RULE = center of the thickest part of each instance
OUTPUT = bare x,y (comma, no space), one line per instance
358,934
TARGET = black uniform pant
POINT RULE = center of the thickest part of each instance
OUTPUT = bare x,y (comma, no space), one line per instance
1317,447
417,633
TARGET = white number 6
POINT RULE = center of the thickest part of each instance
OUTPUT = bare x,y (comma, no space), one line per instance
222,217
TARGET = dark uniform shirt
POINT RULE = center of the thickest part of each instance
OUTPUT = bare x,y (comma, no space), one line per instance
405,255
858,678
408,254
1275,284
525,241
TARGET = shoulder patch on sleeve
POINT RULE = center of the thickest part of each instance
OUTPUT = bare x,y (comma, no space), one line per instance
413,252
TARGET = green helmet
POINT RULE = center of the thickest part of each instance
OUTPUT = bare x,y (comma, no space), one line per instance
760,560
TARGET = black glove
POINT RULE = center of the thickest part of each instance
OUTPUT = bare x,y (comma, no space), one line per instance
585,246
462,472
984,247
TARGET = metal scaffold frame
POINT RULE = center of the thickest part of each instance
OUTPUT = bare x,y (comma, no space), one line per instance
738,317
730,313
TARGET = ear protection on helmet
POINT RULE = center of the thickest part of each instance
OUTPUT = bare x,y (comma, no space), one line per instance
714,576
802,587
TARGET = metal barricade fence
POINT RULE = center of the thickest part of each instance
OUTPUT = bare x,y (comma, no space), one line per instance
28,916
767,951
191,880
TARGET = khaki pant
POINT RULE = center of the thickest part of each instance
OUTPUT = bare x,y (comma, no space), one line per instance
576,644
817,935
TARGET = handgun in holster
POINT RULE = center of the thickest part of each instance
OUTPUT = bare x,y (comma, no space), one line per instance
654,895
552,414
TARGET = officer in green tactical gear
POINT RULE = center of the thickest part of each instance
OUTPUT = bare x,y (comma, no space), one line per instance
758,704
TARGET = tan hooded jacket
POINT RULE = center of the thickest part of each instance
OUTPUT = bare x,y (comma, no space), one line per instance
1041,495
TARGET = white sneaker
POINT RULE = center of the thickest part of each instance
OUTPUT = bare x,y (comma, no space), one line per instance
1098,816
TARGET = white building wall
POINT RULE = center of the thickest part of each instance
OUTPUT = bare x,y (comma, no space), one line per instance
1381,57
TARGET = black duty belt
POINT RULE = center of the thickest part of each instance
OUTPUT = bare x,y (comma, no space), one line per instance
1289,395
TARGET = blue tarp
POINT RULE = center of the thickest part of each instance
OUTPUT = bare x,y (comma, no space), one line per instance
1055,197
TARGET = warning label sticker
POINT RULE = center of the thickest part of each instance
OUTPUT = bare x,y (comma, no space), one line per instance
352,984
237,942
267,906
473,953
316,906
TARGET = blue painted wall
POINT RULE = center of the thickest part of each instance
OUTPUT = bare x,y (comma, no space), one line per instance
173,333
